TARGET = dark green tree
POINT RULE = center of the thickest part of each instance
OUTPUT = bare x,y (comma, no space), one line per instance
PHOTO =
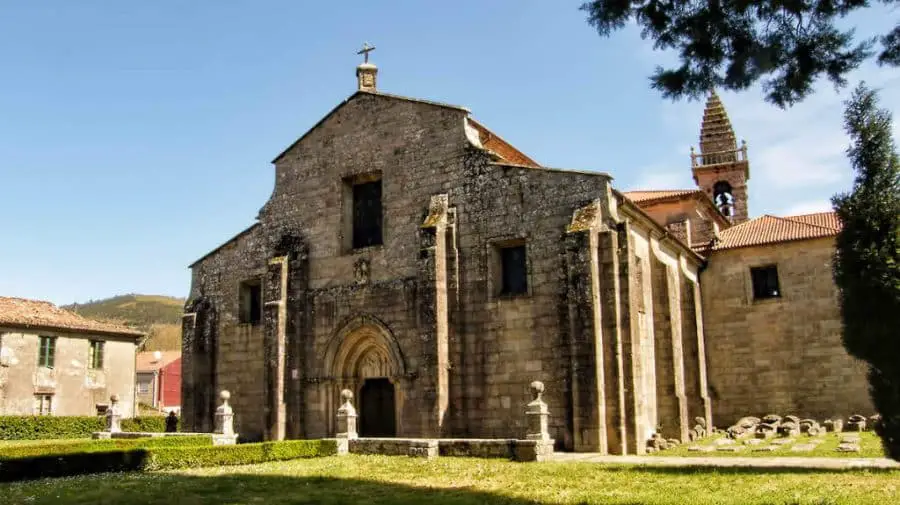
731,44
867,258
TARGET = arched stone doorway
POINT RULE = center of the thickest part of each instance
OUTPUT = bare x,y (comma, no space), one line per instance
364,357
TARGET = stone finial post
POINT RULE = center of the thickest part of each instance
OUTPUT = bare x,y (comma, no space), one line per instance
224,415
537,414
346,417
113,415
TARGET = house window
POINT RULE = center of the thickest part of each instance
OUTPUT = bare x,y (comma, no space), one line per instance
250,310
43,405
95,354
513,270
765,282
47,352
367,214
143,388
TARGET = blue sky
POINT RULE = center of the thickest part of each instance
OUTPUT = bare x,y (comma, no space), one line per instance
136,136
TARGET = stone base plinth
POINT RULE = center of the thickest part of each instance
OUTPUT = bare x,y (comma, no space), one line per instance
217,438
514,449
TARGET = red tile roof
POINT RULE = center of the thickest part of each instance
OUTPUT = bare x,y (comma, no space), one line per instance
147,362
769,229
493,142
654,196
22,313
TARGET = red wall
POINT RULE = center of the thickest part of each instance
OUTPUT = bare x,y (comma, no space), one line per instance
170,384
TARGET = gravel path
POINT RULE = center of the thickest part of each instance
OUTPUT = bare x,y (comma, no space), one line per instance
732,462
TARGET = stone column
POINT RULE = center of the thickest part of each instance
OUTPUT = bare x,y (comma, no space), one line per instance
275,331
434,316
537,414
346,423
224,416
537,445
113,415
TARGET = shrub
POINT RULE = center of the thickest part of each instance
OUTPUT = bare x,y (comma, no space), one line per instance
76,446
145,424
159,458
38,467
241,454
44,427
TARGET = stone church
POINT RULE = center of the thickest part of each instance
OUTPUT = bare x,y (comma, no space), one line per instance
410,254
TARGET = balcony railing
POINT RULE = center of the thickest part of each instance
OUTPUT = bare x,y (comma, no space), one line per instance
718,157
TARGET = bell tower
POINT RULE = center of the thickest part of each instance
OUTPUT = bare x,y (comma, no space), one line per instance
722,169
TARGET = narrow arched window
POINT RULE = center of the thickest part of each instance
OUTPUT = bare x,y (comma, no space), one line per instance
723,198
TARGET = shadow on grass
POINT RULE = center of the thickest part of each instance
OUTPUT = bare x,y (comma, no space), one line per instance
174,489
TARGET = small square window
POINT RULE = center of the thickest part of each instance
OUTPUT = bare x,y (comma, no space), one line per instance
47,353
250,300
95,354
765,282
43,405
513,270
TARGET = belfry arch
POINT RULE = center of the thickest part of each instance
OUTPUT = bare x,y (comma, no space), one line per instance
364,357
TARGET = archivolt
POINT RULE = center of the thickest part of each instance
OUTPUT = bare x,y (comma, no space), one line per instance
364,347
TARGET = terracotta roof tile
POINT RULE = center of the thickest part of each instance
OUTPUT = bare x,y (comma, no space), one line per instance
824,219
493,142
769,229
146,361
653,196
22,313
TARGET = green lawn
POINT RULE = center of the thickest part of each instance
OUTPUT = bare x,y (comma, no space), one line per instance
375,480
870,447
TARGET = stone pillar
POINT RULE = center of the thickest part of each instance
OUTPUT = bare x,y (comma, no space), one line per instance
224,416
537,445
668,423
537,414
613,364
275,334
586,350
199,345
346,423
434,317
113,415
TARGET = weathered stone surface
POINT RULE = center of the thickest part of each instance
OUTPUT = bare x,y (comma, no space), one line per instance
423,448
730,448
803,447
782,441
856,422
701,448
844,447
790,346
766,448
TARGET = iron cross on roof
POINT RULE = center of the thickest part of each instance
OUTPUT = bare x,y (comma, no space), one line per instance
365,50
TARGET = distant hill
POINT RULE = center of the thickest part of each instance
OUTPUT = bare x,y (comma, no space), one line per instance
160,316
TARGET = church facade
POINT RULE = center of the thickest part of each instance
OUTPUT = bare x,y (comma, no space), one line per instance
411,255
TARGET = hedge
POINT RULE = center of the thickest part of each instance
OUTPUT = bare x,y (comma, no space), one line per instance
43,427
147,459
74,446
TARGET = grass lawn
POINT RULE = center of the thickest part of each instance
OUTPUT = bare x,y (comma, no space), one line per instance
870,447
375,480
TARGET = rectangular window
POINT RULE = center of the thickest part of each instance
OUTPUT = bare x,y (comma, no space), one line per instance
513,270
47,352
250,311
43,405
765,282
95,354
143,388
367,214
